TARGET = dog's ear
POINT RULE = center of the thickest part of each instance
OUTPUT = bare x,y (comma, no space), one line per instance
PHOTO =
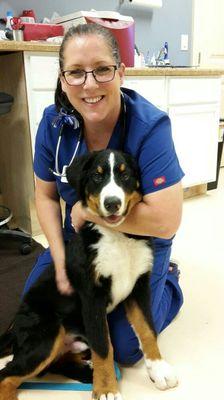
77,171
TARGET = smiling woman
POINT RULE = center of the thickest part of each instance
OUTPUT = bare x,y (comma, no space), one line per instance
92,112
91,80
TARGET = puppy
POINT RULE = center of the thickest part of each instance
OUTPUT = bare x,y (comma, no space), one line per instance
105,268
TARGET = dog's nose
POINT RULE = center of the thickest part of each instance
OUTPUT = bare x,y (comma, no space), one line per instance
112,204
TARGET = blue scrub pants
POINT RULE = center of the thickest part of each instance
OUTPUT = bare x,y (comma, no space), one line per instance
166,300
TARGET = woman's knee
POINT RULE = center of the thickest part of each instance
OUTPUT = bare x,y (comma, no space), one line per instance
126,352
42,262
123,338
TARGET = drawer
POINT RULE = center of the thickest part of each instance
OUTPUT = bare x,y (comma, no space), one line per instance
44,71
194,90
153,89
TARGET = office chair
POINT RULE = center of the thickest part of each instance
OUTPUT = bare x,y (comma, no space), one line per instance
25,239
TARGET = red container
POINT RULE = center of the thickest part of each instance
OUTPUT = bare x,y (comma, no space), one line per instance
41,31
28,13
124,33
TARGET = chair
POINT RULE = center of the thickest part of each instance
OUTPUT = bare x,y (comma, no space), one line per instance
25,239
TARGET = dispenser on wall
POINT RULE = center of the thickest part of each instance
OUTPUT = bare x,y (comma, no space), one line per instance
140,4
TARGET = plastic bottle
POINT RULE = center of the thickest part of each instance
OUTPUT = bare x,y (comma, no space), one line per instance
9,15
166,57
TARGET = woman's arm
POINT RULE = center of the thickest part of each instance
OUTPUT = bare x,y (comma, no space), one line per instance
50,218
159,214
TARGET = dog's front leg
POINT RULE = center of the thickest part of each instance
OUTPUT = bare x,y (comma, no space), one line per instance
138,313
105,386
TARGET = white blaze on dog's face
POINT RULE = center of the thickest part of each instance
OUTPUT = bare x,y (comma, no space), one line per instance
112,196
112,187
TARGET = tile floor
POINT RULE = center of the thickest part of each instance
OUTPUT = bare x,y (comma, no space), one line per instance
194,342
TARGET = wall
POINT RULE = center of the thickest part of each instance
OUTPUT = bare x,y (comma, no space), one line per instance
153,28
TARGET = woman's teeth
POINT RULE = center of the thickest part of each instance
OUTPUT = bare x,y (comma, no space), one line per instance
93,99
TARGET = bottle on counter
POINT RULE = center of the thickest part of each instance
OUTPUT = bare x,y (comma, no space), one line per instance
9,15
166,57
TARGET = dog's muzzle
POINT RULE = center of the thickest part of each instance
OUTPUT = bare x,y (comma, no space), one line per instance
112,204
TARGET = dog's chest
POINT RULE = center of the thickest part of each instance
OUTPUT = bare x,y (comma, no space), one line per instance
123,259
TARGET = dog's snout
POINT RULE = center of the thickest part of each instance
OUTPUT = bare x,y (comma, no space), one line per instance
112,204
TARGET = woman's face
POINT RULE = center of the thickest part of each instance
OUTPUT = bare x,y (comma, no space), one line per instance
96,102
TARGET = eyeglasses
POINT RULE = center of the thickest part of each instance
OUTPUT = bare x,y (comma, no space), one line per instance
101,74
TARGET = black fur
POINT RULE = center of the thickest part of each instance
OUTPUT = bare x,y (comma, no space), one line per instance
44,310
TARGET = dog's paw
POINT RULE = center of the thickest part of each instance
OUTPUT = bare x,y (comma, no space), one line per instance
108,396
162,374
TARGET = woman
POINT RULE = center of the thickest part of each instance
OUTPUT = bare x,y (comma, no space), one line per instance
101,116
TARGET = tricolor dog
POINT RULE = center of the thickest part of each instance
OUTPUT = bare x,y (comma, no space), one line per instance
105,267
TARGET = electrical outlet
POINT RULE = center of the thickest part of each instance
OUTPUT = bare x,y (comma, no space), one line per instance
184,42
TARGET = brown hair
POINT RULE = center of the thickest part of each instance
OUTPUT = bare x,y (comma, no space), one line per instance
90,29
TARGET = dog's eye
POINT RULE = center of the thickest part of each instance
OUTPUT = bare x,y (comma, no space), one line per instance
97,177
125,176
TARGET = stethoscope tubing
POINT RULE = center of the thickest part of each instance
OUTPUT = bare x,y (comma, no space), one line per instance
123,129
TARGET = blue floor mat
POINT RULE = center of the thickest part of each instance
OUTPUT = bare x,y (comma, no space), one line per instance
45,384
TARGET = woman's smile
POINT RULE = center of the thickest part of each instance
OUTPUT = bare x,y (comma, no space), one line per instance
93,100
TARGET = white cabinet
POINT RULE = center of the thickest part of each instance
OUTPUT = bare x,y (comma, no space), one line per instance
193,104
193,107
197,90
195,134
152,88
41,71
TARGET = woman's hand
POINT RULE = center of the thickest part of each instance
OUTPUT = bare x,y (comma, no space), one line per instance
62,281
78,216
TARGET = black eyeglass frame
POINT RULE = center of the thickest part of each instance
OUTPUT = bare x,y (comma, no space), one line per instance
90,72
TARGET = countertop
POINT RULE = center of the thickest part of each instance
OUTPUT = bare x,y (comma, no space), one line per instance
7,46
12,45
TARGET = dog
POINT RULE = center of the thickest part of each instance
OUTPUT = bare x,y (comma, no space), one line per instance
105,267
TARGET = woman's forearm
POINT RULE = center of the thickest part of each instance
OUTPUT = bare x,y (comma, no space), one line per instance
49,215
140,221
158,215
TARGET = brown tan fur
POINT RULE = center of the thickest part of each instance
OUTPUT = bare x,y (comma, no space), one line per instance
132,200
145,334
9,385
122,167
93,203
104,378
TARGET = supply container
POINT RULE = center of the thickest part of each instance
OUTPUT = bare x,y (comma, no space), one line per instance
41,31
18,35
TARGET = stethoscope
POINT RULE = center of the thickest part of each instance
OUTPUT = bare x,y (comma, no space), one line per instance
63,119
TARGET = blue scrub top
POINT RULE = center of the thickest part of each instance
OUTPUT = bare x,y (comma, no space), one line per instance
148,139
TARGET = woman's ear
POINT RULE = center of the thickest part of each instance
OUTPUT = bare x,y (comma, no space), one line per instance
121,72
63,83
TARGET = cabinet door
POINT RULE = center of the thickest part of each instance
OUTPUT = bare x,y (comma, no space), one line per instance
153,89
41,70
195,134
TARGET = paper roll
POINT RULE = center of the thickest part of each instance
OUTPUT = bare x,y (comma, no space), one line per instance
140,4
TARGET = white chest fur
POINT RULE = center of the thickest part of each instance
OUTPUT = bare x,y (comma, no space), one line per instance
122,258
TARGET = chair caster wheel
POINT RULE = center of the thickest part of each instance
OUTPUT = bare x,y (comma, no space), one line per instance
25,249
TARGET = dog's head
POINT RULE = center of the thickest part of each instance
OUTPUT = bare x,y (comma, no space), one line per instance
107,183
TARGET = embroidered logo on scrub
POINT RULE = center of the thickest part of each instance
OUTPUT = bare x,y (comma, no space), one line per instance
159,181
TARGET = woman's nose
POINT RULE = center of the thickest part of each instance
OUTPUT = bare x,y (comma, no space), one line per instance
90,81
